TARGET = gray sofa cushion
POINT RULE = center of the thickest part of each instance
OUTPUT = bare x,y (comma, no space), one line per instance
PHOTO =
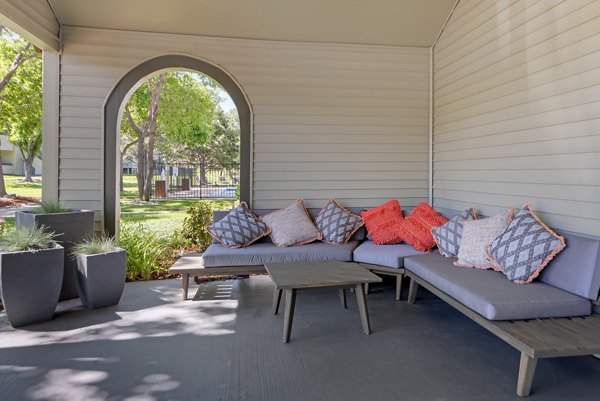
491,295
577,268
262,252
384,255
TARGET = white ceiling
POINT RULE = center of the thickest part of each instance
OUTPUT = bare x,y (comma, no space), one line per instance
379,22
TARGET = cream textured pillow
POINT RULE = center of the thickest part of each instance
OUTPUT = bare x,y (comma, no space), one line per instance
477,236
291,225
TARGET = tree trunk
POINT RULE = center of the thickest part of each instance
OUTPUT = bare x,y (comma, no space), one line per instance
121,157
121,173
28,158
2,186
28,169
149,168
151,132
139,174
203,180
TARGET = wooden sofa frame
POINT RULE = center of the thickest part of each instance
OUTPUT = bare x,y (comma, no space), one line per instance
386,271
191,264
534,338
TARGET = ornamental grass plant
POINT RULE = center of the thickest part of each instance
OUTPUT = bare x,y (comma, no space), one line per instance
27,239
95,245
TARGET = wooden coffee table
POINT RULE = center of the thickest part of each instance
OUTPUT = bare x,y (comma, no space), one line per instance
299,276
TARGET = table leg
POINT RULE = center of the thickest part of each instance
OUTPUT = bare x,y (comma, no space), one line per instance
276,300
290,302
362,308
342,293
185,284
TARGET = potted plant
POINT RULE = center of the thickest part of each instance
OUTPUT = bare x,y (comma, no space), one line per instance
70,226
31,272
101,269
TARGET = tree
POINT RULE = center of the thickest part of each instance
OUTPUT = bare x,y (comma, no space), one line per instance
175,106
22,101
14,53
220,151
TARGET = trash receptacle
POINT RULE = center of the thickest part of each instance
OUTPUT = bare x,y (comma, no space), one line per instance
160,189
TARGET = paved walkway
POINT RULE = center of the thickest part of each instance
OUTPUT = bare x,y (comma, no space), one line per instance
225,344
10,211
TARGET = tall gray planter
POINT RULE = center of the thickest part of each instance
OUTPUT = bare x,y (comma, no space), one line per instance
71,227
30,283
101,278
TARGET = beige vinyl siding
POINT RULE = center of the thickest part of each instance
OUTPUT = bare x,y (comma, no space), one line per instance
32,19
348,121
517,110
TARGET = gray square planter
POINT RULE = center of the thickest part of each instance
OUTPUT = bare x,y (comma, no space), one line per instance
30,283
71,227
101,278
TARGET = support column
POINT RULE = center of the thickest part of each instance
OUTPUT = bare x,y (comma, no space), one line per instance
50,125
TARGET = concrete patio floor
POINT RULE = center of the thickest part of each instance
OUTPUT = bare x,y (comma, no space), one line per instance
225,345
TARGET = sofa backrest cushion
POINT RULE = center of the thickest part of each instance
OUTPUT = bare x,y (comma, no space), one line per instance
577,268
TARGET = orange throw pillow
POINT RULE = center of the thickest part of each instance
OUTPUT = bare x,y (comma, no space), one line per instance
415,234
381,221
415,230
427,216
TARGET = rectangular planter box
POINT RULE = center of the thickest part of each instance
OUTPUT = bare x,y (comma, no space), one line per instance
71,227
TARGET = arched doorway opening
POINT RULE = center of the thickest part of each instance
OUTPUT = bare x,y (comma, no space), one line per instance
113,109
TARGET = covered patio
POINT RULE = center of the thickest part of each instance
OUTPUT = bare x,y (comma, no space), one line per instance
458,103
226,345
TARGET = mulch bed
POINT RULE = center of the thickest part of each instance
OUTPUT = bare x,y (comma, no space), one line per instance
18,201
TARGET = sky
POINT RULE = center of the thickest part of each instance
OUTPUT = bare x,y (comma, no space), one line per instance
226,102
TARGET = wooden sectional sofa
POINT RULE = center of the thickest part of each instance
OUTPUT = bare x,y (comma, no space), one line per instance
552,317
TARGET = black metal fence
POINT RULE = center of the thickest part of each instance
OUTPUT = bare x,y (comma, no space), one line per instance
194,181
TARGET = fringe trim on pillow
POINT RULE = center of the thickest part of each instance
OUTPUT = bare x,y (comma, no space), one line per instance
218,238
362,223
555,252
496,265
308,241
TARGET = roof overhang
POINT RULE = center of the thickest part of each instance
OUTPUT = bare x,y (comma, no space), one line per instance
377,22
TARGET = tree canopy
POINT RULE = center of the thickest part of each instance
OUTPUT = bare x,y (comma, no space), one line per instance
21,96
178,108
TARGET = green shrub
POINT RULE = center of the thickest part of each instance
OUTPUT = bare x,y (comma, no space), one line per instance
48,207
22,239
145,250
193,234
95,245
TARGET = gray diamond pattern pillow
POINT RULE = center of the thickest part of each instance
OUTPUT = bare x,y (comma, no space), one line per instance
525,247
239,228
336,223
449,236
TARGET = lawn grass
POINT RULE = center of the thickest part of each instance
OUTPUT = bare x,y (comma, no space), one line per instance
162,216
28,189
